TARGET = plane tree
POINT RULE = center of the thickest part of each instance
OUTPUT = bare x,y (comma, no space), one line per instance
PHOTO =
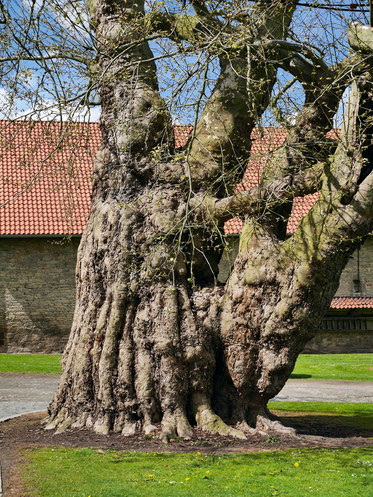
157,343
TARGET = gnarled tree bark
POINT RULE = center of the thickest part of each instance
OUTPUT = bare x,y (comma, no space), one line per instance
156,345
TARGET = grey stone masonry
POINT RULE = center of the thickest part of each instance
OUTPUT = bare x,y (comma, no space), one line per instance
344,331
37,293
359,269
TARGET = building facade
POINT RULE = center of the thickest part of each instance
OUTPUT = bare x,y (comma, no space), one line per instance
45,201
37,293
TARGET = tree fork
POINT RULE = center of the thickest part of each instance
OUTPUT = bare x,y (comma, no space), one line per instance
150,350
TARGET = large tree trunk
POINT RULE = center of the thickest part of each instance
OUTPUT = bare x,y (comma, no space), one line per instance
142,345
148,348
155,344
275,299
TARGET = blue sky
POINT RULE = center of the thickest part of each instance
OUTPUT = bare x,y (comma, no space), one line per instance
323,28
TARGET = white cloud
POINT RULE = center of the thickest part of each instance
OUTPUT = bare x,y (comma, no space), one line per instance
5,104
67,13
47,110
50,111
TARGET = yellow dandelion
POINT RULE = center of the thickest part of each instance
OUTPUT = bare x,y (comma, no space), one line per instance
186,479
296,464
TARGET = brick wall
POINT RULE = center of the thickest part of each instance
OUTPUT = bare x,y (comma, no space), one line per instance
37,292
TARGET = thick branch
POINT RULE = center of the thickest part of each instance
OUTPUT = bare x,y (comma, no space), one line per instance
306,143
306,71
136,117
223,132
241,95
201,9
256,200
324,88
297,48
362,203
360,38
293,58
345,207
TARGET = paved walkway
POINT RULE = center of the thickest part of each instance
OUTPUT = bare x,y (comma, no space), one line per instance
326,391
23,393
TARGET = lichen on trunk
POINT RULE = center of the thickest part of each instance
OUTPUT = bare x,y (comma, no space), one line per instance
157,344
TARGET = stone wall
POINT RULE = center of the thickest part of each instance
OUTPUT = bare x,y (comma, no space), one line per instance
344,331
37,293
347,342
360,266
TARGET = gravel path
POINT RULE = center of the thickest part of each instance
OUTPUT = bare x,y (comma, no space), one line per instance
23,393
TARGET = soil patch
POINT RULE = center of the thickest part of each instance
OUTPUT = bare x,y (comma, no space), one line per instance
27,431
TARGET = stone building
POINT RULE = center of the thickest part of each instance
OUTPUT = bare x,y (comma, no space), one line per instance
45,200
45,195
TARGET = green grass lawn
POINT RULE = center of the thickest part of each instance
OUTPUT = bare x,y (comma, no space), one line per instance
318,366
313,367
30,363
354,367
57,472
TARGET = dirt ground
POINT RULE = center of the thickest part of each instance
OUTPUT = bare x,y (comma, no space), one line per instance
27,431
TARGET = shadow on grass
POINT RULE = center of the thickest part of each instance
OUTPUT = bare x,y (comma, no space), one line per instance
300,376
329,425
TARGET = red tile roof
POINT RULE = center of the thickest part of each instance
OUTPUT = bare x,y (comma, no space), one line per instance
352,303
181,134
45,189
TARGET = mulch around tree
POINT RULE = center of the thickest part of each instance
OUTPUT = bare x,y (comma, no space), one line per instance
27,432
